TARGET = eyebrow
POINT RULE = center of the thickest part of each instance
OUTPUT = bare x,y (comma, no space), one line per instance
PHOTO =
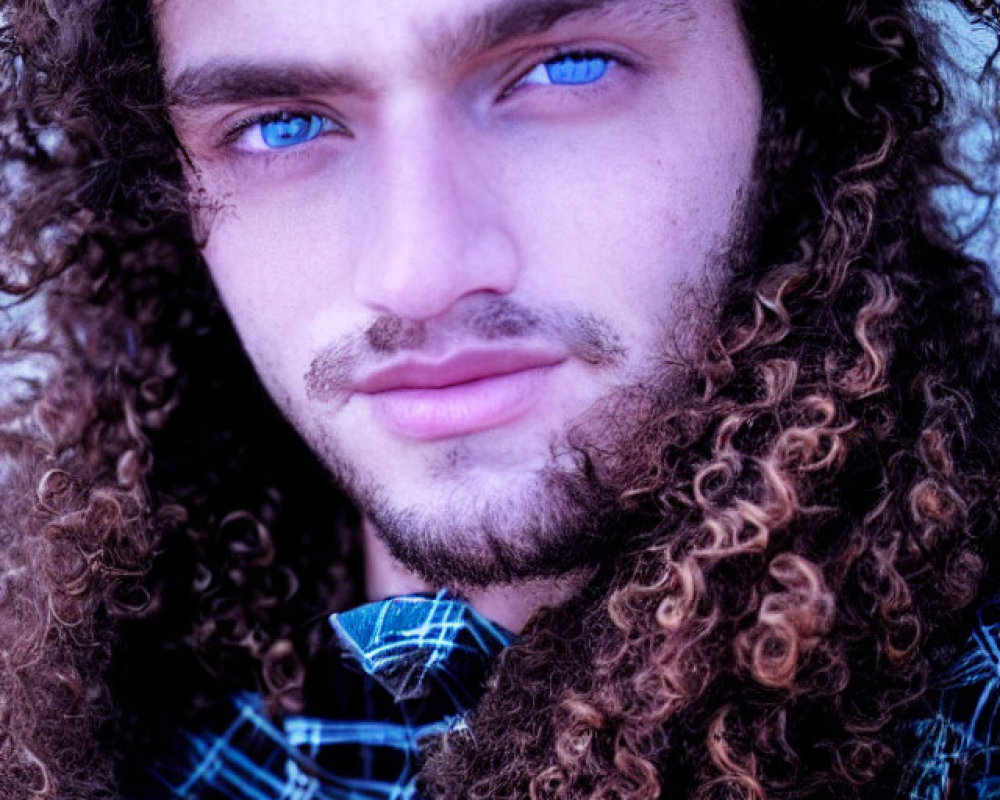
219,82
506,21
225,81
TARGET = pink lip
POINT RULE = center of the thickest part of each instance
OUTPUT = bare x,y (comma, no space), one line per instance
469,391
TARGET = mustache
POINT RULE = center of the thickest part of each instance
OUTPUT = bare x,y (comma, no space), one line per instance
585,336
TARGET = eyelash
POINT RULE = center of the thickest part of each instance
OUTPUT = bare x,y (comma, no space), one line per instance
562,53
238,129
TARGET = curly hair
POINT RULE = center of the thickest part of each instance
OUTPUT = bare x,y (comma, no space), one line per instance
806,533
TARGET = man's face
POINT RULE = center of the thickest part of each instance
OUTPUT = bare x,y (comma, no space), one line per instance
448,230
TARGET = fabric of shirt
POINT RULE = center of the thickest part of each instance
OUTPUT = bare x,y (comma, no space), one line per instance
394,673
957,753
400,670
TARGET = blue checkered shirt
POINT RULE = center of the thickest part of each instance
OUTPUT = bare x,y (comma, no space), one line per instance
957,756
410,667
401,670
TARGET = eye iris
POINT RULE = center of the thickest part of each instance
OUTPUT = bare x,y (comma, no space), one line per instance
290,129
577,69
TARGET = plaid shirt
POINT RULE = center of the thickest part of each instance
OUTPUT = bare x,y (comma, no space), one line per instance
405,669
958,746
410,667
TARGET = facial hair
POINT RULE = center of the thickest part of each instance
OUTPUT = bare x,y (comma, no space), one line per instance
569,515
559,512
566,519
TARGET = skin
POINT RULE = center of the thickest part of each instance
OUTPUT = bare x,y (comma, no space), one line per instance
457,205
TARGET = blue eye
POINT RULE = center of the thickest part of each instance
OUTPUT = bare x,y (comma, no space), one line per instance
289,129
571,69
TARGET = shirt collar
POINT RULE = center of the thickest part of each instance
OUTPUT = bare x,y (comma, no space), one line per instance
414,643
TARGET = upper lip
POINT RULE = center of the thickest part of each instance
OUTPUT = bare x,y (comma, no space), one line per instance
459,367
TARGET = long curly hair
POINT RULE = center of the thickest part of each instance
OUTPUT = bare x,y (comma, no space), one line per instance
806,533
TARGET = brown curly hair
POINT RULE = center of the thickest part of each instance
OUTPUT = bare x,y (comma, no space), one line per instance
805,535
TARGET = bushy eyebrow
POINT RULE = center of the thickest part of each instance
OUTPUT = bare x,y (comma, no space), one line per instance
505,21
223,81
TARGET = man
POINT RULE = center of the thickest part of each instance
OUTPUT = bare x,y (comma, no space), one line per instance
626,326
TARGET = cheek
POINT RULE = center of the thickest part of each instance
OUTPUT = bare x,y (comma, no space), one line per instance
268,287
278,260
627,219
279,234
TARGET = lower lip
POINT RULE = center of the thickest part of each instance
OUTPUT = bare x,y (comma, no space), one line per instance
462,408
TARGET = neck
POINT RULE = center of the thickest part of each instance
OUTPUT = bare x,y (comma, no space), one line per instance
509,604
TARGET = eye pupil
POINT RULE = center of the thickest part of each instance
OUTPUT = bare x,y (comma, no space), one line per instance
290,129
576,69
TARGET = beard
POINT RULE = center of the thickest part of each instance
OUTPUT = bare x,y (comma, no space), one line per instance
557,518
567,515
556,526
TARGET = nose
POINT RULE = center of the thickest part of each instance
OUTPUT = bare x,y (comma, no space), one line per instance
437,232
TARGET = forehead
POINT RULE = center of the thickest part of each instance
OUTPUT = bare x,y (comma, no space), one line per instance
369,32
